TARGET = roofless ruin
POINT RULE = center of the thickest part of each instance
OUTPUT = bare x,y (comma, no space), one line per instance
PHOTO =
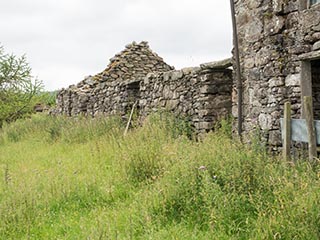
279,46
138,75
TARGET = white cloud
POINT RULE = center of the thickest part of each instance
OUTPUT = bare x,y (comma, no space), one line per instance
67,39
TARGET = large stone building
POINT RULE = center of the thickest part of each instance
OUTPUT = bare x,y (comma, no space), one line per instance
279,44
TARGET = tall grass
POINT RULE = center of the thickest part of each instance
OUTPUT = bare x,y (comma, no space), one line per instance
67,130
64,178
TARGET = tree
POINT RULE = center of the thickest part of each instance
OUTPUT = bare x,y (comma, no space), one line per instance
17,87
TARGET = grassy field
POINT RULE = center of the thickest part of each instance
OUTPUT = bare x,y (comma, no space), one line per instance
82,179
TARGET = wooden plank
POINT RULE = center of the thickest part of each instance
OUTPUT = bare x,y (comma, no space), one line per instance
310,127
287,131
130,118
306,84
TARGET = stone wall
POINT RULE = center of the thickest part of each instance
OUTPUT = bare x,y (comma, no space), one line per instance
202,93
138,75
278,39
111,91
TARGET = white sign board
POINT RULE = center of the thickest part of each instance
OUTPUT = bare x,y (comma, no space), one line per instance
299,132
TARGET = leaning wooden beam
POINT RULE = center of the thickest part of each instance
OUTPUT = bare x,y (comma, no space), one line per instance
312,141
287,131
130,118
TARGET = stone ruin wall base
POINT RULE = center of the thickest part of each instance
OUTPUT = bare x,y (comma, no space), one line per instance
202,94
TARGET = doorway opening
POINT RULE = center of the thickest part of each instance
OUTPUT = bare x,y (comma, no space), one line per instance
133,95
315,80
310,81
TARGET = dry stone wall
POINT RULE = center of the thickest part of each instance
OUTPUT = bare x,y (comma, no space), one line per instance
201,93
278,39
115,89
137,75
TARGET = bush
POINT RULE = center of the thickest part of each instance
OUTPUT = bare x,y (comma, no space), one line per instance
17,87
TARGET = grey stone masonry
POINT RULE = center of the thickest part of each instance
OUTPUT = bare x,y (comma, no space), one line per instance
116,88
279,49
203,94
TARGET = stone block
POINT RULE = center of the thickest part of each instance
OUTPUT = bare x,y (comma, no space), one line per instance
205,125
274,25
175,75
209,89
292,80
275,138
277,6
316,46
172,104
265,121
253,30
223,64
276,82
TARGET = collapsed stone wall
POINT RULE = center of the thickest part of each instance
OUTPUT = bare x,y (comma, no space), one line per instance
275,38
137,75
109,92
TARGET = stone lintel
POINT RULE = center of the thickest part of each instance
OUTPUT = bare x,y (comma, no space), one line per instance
310,56
131,81
222,64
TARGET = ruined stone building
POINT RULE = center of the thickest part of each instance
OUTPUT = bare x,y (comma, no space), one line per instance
279,44
138,75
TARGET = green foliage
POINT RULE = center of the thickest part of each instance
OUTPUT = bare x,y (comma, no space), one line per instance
46,98
17,87
144,155
175,126
65,178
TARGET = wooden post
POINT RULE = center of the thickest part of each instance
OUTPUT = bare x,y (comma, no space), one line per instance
287,131
312,141
238,66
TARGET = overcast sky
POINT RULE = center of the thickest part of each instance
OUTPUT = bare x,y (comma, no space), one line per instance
66,40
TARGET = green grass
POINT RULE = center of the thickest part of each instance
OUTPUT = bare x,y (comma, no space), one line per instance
64,178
